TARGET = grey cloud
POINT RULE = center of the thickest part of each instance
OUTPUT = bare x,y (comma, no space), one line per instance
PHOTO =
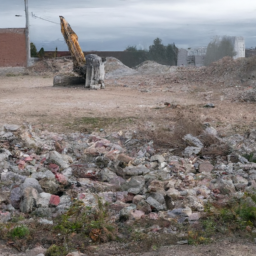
116,24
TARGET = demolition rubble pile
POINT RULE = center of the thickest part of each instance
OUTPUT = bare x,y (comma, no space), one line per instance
41,171
114,68
152,67
49,66
225,72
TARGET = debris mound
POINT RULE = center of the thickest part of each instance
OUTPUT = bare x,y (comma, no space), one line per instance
152,67
48,66
227,72
115,68
247,96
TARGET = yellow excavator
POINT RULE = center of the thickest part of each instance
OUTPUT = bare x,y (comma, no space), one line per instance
90,67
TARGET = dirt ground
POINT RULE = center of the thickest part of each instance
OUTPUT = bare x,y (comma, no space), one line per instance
224,247
127,103
123,104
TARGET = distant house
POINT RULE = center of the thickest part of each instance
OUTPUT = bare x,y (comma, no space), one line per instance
13,47
191,57
239,46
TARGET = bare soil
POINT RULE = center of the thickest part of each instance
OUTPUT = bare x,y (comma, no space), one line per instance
125,103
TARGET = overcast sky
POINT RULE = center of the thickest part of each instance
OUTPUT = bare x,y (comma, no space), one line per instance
112,25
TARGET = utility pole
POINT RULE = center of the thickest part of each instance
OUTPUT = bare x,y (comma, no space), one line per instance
27,33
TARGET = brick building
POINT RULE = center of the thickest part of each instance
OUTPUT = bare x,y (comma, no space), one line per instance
13,47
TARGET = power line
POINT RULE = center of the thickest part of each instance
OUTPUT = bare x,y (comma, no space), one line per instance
37,17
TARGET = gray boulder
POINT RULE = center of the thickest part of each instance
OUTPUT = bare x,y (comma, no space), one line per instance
58,159
31,182
4,154
134,185
28,200
158,158
136,170
157,201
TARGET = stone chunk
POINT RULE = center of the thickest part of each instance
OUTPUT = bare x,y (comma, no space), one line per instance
90,200
15,197
4,217
157,201
4,196
4,154
41,175
190,151
58,159
193,141
206,167
158,158
54,200
29,200
31,182
11,127
134,185
49,186
136,170
44,199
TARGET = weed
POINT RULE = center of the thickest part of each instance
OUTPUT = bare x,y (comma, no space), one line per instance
10,75
89,124
238,216
19,232
250,157
154,247
56,250
17,218
91,223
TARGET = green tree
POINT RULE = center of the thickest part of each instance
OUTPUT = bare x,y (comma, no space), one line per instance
33,50
157,51
166,55
136,56
171,54
219,48
41,53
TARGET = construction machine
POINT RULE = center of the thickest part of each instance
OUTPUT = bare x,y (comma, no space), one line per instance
89,67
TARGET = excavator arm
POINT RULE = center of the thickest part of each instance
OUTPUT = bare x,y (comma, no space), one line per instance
90,67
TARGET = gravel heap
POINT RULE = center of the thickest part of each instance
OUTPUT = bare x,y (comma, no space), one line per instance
42,173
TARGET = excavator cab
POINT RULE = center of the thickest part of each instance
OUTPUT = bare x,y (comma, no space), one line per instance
91,67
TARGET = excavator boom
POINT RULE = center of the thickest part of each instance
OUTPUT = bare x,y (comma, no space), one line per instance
90,67
72,41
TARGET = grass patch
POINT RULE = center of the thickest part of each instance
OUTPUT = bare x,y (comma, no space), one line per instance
89,124
19,232
56,250
82,224
238,217
10,75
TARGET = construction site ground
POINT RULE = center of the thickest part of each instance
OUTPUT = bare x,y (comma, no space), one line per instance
125,102
130,102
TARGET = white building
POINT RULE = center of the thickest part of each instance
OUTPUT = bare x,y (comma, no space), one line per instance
239,46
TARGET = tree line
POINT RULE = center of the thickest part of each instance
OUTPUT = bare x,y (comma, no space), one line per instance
162,54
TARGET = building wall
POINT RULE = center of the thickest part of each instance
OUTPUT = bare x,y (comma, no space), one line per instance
250,53
182,57
199,60
12,47
239,47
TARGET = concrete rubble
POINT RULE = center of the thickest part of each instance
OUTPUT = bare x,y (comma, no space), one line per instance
37,178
